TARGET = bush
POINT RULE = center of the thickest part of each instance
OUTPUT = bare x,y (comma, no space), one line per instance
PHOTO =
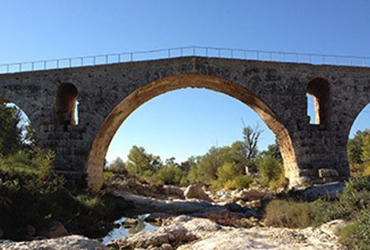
108,175
35,195
357,234
239,182
270,169
290,214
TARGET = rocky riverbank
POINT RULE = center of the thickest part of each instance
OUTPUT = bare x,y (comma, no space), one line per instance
194,218
188,233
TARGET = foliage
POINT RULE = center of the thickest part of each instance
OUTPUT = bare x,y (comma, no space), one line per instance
357,234
140,161
118,166
33,194
291,214
270,169
10,130
355,146
221,167
169,174
353,202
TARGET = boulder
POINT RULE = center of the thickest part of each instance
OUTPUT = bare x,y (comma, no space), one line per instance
166,246
30,230
329,191
52,229
173,191
196,191
328,172
249,195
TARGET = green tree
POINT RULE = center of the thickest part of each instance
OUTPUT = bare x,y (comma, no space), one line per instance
355,148
139,161
118,166
365,156
245,152
274,151
205,171
170,173
10,130
270,168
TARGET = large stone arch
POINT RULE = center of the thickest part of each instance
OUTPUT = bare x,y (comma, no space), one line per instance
194,80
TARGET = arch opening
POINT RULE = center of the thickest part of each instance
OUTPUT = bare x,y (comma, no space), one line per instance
319,90
16,132
66,105
358,144
118,115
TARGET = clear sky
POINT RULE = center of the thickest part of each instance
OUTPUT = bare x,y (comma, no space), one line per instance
184,122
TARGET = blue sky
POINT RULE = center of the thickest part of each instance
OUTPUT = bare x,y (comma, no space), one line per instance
184,122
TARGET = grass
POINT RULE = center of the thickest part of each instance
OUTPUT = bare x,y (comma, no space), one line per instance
353,205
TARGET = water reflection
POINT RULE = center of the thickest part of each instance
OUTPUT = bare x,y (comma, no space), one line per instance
139,225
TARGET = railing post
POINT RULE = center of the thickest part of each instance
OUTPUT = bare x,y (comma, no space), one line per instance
33,65
181,52
131,56
7,68
57,64
258,55
193,51
169,53
44,64
20,67
70,62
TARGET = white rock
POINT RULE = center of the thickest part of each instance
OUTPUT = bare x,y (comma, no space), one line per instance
73,242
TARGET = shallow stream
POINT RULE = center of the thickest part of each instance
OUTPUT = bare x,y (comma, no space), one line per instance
128,229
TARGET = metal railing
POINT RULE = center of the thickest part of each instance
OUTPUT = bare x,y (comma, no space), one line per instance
260,55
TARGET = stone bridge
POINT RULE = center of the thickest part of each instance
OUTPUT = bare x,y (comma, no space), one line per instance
108,94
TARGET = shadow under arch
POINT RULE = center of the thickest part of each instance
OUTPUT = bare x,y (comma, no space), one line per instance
117,116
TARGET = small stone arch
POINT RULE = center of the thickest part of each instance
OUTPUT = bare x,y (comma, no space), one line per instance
117,116
65,104
319,88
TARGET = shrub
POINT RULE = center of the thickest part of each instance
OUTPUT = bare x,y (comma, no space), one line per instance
356,195
239,182
289,214
108,175
270,169
357,234
32,197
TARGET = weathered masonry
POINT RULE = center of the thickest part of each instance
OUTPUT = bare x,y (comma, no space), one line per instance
108,94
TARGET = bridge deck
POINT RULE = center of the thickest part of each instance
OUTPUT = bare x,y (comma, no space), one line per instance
199,51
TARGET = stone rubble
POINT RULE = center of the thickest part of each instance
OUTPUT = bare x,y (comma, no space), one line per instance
73,242
187,233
